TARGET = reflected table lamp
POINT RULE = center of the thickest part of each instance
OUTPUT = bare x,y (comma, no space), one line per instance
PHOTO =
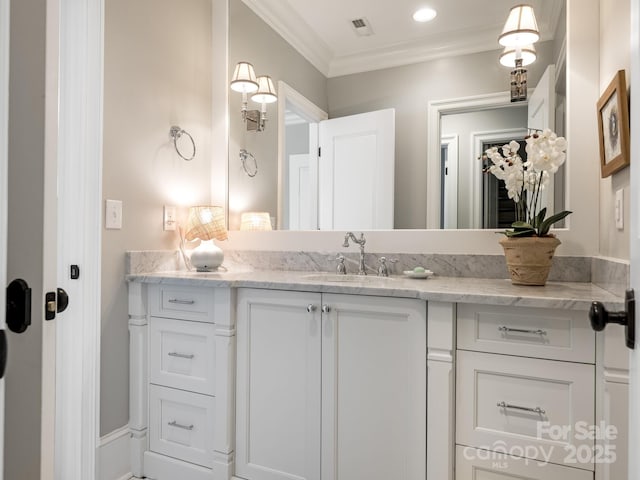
206,223
254,221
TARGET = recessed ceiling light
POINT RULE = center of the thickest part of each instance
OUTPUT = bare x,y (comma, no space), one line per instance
424,15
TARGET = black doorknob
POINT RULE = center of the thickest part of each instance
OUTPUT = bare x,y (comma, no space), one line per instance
18,307
62,300
600,317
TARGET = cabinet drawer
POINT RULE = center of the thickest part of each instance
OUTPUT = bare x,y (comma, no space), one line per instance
528,332
181,424
182,354
504,401
186,303
478,465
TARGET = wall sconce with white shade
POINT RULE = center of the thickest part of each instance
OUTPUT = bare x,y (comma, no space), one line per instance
263,91
206,223
510,54
519,34
521,28
255,221
244,81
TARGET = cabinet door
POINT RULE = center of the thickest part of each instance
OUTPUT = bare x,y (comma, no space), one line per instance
373,388
538,405
479,464
278,385
613,447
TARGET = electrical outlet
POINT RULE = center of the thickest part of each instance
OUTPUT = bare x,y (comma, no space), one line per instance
113,215
619,209
169,218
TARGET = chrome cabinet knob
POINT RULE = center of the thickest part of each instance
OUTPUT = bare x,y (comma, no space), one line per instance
311,308
325,309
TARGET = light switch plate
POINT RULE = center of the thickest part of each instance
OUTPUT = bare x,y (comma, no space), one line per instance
169,218
113,215
619,209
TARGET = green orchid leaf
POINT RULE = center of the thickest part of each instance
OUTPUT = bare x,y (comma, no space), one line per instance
540,217
521,226
545,226
528,232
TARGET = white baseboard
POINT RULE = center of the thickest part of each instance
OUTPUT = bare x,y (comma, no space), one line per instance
114,455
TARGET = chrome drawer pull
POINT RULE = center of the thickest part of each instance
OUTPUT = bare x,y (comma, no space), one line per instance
537,410
181,302
173,423
181,355
520,330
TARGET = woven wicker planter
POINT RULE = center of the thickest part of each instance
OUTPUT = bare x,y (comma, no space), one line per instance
529,258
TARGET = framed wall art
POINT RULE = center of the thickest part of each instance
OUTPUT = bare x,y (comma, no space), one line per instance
613,126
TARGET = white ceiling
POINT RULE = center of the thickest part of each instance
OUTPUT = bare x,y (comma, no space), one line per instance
321,29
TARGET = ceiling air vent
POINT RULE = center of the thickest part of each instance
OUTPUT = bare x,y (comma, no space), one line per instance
362,27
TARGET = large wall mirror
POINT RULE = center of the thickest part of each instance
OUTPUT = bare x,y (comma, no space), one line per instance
428,96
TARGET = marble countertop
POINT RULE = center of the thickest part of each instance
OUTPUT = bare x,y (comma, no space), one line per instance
562,295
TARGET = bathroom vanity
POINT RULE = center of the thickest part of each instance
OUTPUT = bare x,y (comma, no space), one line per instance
286,375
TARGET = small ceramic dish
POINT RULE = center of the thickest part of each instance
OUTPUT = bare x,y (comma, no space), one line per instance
414,274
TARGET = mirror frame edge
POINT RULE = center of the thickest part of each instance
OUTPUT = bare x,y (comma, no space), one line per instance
220,93
578,238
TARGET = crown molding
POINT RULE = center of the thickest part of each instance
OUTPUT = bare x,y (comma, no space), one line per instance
290,26
414,52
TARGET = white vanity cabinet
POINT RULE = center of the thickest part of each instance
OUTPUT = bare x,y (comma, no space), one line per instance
266,384
181,368
518,369
330,387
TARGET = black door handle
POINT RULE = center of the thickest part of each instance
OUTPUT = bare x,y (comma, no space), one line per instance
18,309
600,317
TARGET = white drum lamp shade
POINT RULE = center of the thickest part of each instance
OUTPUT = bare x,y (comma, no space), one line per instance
255,221
509,55
521,27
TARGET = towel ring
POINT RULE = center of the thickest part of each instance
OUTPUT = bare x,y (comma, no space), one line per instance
247,160
176,132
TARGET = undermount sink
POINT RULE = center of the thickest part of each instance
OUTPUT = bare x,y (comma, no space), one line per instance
336,277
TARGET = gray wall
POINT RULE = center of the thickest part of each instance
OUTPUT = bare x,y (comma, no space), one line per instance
614,55
25,242
409,90
464,125
252,40
157,74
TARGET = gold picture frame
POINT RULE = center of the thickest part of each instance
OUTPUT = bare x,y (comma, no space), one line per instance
613,126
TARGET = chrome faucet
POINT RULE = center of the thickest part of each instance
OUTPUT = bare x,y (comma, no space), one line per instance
361,241
383,268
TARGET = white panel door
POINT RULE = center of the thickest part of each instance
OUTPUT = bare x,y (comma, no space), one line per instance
300,200
278,385
4,150
541,115
542,105
450,171
373,388
634,214
356,172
